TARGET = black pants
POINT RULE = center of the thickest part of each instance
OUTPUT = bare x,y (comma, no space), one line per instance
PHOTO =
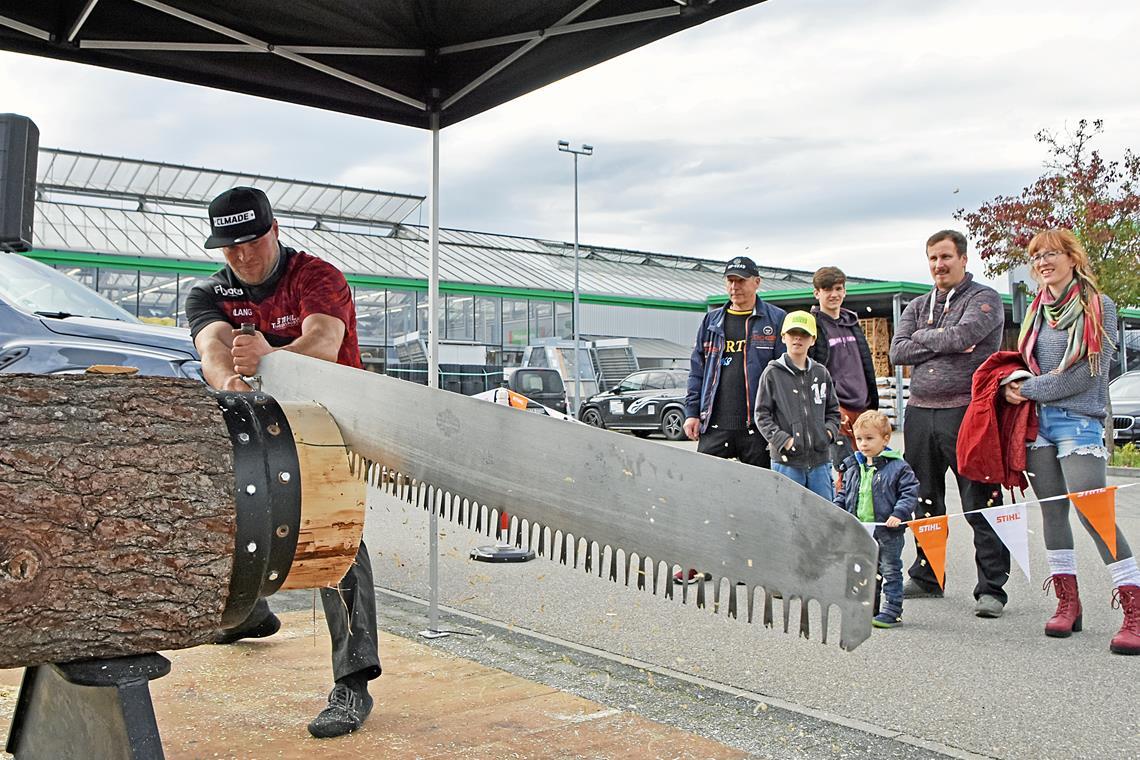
746,445
350,612
931,438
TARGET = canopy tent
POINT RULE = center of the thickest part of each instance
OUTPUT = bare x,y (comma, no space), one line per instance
422,63
396,60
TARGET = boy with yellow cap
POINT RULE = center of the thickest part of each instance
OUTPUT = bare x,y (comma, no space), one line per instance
797,411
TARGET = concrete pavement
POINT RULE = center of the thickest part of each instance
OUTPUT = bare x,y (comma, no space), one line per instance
945,681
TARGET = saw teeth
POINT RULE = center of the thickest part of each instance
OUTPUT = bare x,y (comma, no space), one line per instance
563,547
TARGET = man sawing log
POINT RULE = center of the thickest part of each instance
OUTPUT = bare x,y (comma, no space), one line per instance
286,300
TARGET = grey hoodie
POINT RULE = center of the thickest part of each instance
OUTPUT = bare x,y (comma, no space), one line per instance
797,404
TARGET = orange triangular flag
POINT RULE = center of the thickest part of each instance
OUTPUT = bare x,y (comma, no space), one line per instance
931,532
1099,508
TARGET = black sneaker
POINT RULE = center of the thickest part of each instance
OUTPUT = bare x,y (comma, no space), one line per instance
253,627
912,589
345,713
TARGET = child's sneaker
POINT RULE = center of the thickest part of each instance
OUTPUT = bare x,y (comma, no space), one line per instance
886,620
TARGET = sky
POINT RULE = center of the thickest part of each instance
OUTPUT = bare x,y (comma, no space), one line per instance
802,133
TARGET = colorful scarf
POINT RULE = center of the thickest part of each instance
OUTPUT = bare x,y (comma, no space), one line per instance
1084,323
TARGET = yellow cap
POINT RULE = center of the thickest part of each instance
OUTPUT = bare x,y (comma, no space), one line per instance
799,320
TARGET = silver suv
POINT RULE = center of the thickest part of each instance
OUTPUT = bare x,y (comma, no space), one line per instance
50,323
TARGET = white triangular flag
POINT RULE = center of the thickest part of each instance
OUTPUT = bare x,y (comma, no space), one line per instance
1012,526
870,527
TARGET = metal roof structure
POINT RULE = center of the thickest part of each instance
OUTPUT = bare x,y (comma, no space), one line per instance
121,206
157,184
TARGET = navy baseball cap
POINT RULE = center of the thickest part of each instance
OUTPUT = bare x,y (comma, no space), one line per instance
239,216
741,266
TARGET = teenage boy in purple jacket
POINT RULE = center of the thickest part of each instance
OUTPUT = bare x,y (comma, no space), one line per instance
841,346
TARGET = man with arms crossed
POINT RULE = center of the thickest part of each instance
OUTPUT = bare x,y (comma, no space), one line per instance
945,335
297,303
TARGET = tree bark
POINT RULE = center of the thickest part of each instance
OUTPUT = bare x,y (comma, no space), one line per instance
117,516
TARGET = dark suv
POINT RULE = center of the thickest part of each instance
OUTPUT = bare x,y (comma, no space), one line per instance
50,323
1125,394
647,401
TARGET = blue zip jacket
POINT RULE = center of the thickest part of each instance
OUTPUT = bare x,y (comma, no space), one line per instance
764,345
894,487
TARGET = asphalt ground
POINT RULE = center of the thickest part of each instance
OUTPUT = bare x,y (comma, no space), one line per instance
945,683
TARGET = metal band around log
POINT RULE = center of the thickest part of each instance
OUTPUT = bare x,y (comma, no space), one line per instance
268,497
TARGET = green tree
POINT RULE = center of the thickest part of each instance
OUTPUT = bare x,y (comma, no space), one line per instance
1096,199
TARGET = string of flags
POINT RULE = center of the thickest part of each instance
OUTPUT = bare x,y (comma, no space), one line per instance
1011,524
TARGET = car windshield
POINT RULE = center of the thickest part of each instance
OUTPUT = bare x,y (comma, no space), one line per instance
546,381
1126,386
36,288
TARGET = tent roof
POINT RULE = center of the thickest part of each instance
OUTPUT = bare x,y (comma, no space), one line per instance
393,60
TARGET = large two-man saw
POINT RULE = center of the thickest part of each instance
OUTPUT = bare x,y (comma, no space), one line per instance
599,499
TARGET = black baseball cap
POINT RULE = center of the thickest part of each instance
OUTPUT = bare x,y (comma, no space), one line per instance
238,216
741,266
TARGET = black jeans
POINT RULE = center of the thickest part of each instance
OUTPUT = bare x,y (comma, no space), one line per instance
746,445
931,438
350,612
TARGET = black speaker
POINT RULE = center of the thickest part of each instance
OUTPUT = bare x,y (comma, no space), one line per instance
19,148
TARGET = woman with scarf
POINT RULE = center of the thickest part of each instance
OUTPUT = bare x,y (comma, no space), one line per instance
1067,339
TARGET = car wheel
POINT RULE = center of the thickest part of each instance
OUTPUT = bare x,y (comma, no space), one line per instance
673,425
593,417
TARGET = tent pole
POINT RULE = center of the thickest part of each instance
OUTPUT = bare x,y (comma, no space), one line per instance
433,631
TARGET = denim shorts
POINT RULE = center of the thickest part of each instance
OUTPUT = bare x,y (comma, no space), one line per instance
1070,432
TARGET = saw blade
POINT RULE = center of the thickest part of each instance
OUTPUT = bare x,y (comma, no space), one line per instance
603,501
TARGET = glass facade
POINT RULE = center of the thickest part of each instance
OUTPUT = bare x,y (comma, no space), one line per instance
383,315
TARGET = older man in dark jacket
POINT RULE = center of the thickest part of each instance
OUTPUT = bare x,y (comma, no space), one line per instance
734,344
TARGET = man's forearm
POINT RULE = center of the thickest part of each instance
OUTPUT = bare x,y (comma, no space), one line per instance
217,365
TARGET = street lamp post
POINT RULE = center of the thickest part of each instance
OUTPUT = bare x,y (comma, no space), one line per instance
585,150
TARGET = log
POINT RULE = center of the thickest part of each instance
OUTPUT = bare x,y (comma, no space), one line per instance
144,513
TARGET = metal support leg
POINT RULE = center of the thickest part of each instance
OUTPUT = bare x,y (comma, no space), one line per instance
93,709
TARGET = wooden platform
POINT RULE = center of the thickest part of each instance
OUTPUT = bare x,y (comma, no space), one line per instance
254,699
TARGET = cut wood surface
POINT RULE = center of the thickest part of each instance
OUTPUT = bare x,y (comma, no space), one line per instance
117,514
332,500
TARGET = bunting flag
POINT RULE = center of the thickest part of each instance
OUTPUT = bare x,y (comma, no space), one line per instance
1099,508
1011,524
931,533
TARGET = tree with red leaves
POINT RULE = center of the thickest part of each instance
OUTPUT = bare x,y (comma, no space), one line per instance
1098,200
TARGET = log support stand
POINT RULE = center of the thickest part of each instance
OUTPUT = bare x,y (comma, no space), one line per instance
92,709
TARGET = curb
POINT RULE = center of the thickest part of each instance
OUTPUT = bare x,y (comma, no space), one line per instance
1124,472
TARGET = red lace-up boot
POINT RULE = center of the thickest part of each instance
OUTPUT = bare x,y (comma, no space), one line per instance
1127,641
1067,619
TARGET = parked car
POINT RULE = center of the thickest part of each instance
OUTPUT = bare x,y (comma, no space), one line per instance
540,384
647,401
1124,392
50,323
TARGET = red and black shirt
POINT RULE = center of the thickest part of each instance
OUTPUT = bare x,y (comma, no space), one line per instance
300,285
